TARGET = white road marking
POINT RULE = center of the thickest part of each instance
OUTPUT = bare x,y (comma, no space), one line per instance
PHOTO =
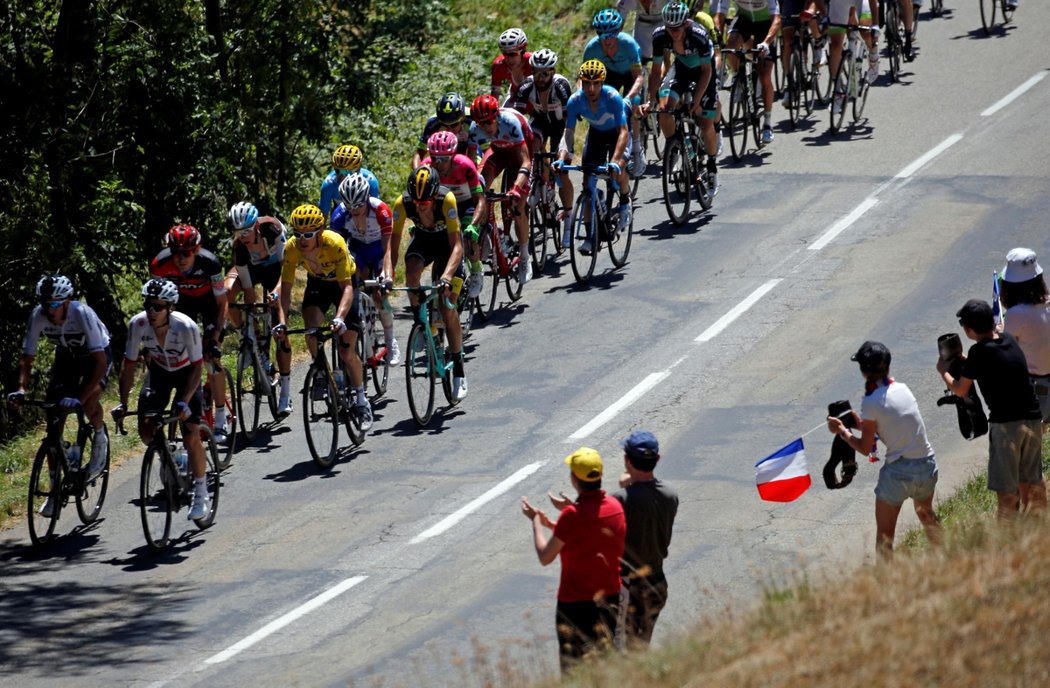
1014,94
620,404
452,519
278,624
737,310
928,156
843,224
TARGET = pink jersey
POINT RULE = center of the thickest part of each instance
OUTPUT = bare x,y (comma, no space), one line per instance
463,180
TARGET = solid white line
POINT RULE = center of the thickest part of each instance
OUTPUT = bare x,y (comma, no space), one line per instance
451,520
288,618
930,155
843,224
1014,94
650,381
737,310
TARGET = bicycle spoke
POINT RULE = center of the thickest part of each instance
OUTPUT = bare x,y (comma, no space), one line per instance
157,498
419,376
42,488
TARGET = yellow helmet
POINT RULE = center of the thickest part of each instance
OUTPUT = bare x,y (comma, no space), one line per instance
708,23
347,157
307,217
592,70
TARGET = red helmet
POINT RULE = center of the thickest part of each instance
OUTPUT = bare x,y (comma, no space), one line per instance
183,238
484,108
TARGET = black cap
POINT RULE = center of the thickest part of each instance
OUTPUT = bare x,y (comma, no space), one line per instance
977,315
872,357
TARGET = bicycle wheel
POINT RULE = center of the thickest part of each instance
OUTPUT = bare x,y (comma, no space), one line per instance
212,475
701,181
44,488
895,40
774,55
419,376
988,8
226,451
269,378
347,411
862,96
92,492
1007,12
840,92
465,310
738,117
620,241
380,364
538,226
492,270
794,90
320,414
652,132
510,280
583,265
676,180
443,371
249,395
158,487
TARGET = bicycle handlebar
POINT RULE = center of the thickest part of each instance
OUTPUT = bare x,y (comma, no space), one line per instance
118,418
422,291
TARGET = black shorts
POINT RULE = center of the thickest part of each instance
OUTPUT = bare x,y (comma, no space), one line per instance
432,247
266,275
70,372
621,81
757,30
324,294
156,396
646,597
548,131
584,626
599,146
203,310
682,81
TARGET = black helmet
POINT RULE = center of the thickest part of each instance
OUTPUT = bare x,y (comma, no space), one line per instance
450,108
423,183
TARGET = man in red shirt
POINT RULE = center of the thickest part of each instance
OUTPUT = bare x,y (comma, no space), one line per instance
589,537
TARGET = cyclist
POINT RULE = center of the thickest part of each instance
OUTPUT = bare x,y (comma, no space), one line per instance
199,276
909,14
622,57
345,159
450,117
757,24
646,19
508,137
707,21
258,249
81,367
607,137
436,240
693,51
512,64
852,12
172,343
544,96
792,14
460,175
329,282
364,222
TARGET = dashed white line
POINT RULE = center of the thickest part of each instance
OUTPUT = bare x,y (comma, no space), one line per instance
843,224
737,310
1014,94
620,404
278,624
928,156
475,504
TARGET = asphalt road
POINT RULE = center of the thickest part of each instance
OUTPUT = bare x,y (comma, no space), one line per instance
409,563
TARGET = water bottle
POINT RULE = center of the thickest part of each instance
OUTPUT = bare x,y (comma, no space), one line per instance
182,461
73,457
340,381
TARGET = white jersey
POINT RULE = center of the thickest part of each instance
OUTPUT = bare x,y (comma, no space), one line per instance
182,345
81,334
648,10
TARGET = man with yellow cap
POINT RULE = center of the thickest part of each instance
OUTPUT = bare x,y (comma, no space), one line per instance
588,536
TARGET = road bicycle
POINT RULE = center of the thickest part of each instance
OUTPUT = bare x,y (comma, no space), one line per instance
325,399
988,8
685,166
371,342
499,252
58,476
744,106
648,126
851,82
257,378
803,80
890,12
166,486
543,210
936,8
425,360
208,414
596,216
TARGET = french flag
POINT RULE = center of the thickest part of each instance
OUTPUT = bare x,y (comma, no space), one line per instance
782,476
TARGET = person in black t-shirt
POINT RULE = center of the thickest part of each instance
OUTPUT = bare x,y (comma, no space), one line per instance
1015,430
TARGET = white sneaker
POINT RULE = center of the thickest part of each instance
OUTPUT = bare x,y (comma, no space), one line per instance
838,101
199,504
639,163
785,99
566,232
284,405
99,449
221,434
475,283
586,246
48,508
393,352
712,181
767,135
459,388
1012,4
364,415
625,215
524,268
873,68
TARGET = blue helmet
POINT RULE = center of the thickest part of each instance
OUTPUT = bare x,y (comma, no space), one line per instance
243,215
608,20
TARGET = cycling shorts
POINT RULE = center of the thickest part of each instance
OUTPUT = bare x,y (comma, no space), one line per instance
838,13
679,82
503,159
367,255
157,391
266,275
599,146
643,34
756,30
548,133
203,310
324,294
69,373
433,248
789,11
621,81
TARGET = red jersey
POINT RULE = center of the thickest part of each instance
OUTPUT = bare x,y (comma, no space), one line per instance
593,530
501,72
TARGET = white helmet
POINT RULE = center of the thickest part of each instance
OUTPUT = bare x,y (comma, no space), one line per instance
513,39
354,190
161,289
243,215
544,58
54,288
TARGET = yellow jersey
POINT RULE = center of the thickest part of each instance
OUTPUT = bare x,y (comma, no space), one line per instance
447,220
330,262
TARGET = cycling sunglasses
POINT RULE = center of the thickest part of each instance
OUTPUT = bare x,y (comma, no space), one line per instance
426,203
545,73
244,233
154,306
307,235
183,254
611,34
441,158
52,305
511,53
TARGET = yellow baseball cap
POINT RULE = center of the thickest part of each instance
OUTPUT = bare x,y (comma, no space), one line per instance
586,464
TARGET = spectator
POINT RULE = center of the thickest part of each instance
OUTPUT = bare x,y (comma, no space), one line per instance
890,411
649,507
1015,431
1024,296
589,536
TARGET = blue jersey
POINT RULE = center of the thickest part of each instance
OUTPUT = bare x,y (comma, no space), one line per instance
628,54
330,189
609,115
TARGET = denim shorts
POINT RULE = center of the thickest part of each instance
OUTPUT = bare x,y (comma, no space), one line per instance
1015,454
906,478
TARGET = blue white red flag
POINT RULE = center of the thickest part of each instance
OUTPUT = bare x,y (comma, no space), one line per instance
997,313
782,476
